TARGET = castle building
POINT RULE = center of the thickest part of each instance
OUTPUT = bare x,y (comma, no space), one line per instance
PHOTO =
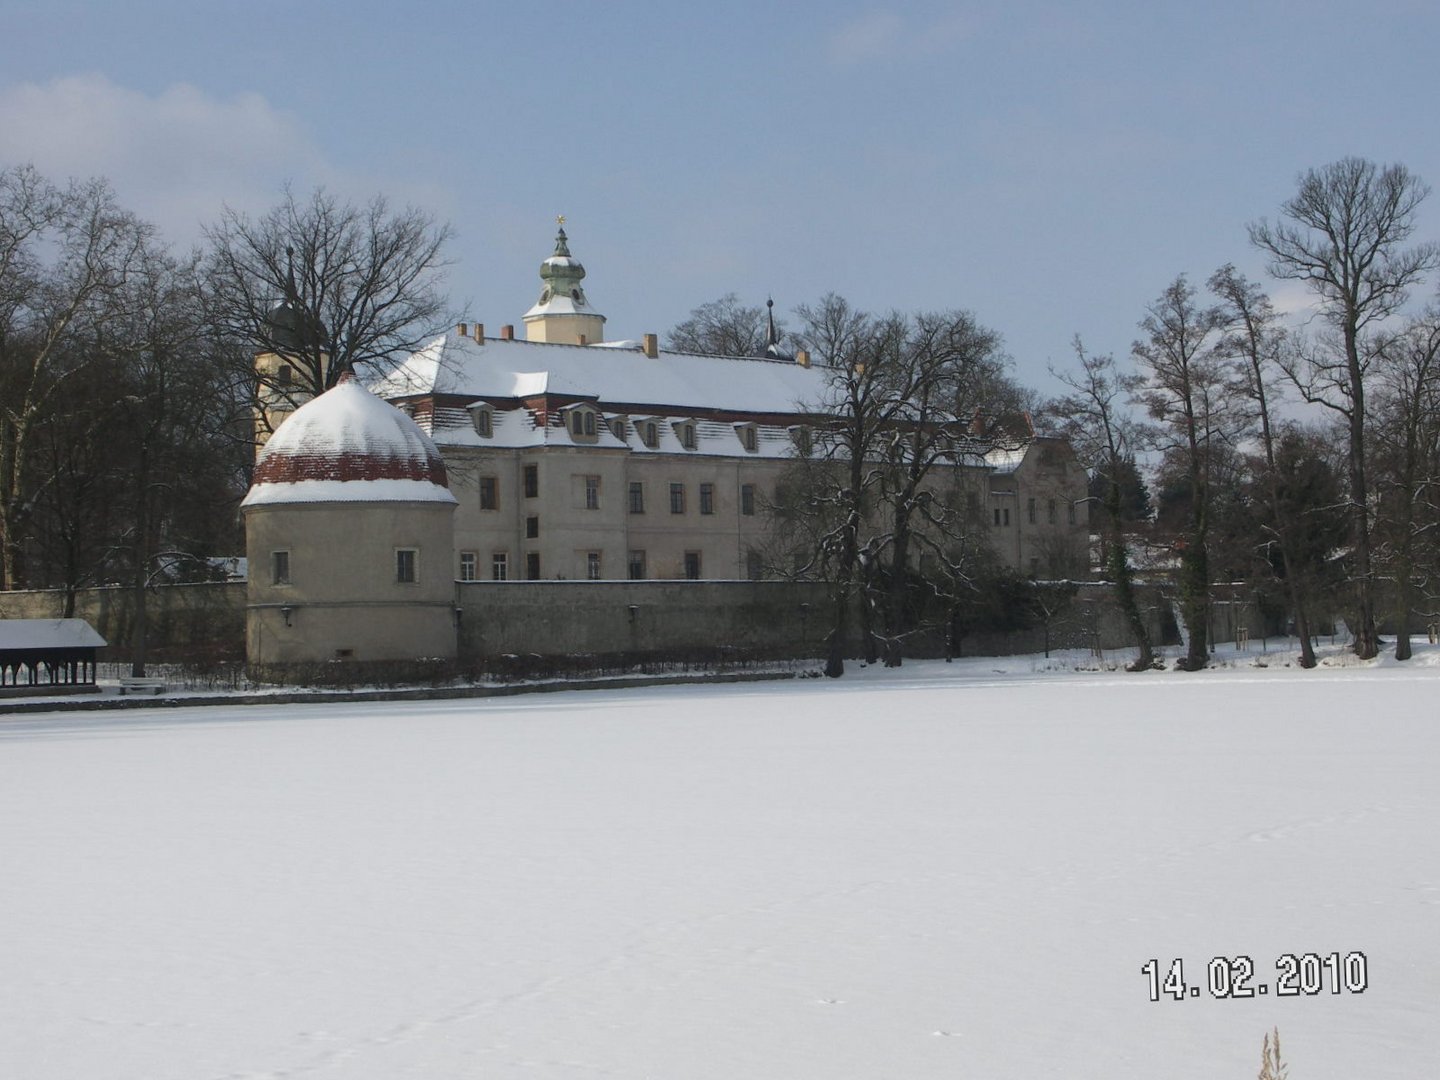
575,457
565,456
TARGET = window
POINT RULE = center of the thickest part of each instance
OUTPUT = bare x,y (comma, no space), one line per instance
800,436
1050,510
687,435
499,566
532,481
997,517
284,375
637,497
649,434
489,493
532,527
692,565
617,427
635,566
1072,513
677,498
748,438
592,493
707,498
469,566
754,566
1002,517
592,565
1030,510
532,565
280,568
407,569
483,419
747,500
1006,517
582,422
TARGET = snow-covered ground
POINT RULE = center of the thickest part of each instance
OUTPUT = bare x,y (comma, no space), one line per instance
946,871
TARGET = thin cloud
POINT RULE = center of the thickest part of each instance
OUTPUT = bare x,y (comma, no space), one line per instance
884,35
175,158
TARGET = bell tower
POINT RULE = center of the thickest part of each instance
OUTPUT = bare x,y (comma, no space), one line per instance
562,313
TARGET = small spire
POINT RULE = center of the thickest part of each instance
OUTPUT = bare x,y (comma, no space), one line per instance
772,339
561,247
291,293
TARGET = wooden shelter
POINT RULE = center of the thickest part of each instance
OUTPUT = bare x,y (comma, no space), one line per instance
47,656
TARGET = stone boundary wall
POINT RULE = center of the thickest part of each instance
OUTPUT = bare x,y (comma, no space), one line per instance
609,619
181,619
782,619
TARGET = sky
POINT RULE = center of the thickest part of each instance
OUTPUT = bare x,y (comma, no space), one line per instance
1050,167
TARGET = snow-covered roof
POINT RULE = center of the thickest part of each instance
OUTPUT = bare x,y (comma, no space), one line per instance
561,305
507,368
48,634
1006,459
349,446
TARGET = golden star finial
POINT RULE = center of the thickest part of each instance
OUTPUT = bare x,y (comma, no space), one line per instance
559,219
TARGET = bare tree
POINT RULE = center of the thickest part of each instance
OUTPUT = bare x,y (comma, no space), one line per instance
838,490
1254,339
1344,234
1185,392
942,376
331,286
726,327
1093,417
65,256
1406,439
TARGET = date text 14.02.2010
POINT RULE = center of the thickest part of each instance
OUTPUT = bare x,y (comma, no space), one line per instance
1234,977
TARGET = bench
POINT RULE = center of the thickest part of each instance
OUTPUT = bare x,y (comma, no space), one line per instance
132,684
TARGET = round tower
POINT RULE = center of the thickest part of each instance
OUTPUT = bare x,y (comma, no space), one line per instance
350,536
563,314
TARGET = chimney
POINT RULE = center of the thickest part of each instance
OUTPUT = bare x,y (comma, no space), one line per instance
462,329
507,332
479,333
652,346
803,358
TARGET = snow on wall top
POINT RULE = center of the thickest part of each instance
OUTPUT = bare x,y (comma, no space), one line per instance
347,445
514,369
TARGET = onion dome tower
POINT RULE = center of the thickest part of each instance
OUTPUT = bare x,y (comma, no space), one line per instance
291,363
562,313
350,535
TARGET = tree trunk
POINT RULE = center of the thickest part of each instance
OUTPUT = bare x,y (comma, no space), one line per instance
1119,566
1367,644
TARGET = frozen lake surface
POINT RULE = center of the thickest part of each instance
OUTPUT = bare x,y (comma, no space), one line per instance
949,871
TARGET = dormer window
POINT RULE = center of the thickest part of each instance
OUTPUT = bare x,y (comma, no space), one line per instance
483,417
649,433
617,427
685,432
802,439
749,438
581,423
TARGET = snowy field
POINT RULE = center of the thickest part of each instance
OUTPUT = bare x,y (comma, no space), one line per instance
946,872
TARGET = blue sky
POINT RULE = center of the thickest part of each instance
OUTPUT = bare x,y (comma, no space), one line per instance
1050,167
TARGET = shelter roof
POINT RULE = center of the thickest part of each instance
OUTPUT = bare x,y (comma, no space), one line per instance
16,634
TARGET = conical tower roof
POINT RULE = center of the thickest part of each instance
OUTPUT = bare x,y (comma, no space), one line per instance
349,446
